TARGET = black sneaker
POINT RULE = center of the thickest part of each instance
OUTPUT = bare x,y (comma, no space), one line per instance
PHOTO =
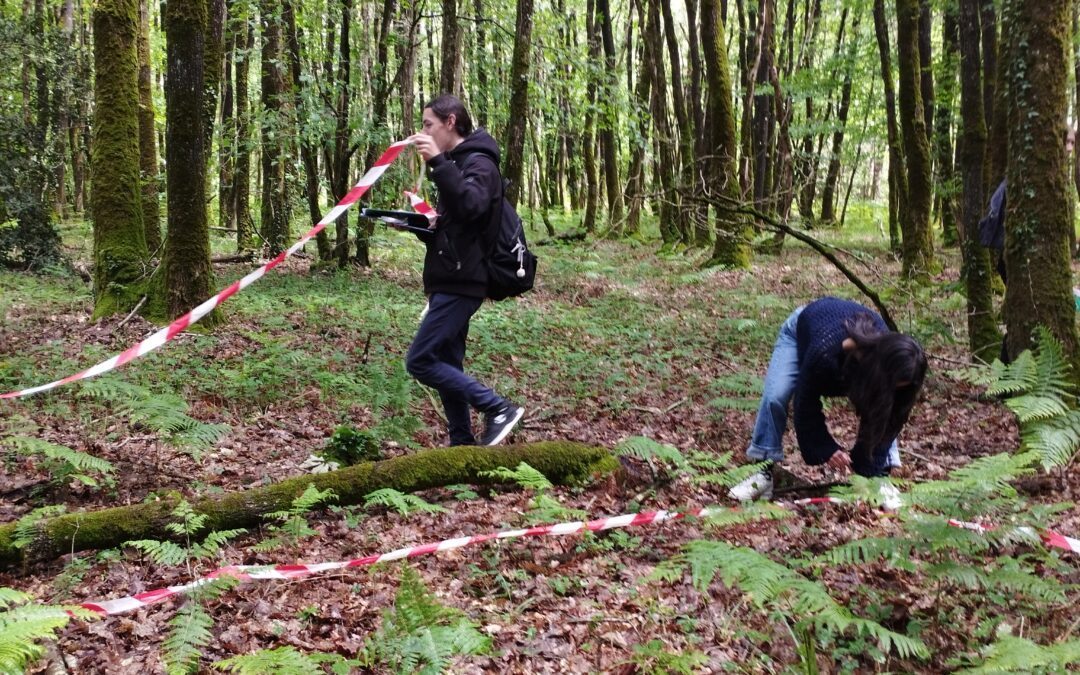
501,422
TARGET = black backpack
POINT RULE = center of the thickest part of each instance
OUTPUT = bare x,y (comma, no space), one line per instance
511,266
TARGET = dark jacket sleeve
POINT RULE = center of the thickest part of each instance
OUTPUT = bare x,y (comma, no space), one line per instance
468,191
815,442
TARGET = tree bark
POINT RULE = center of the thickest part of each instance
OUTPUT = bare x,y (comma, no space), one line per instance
226,146
519,101
983,336
944,187
148,154
188,278
214,61
560,462
120,254
732,246
592,177
274,220
832,174
245,225
926,67
609,121
917,252
450,72
897,171
1038,213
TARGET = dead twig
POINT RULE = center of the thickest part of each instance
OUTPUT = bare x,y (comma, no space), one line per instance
133,313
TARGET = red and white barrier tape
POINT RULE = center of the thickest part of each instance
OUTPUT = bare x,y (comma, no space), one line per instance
250,572
172,330
421,207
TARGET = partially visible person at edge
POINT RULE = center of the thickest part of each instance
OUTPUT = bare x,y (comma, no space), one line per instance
834,347
992,236
464,164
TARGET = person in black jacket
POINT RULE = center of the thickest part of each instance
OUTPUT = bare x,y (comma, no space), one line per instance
464,164
835,347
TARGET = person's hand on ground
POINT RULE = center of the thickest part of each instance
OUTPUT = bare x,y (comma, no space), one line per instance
840,460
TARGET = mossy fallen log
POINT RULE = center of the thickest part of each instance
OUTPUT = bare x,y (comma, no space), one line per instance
562,462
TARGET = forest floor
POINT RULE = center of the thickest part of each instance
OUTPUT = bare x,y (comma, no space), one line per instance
616,342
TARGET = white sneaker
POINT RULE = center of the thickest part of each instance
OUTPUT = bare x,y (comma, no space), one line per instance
891,499
757,486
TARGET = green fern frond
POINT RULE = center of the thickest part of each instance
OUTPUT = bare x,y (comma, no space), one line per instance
76,464
647,449
721,518
1056,440
303,503
1009,654
23,627
189,633
112,390
214,542
161,552
1018,377
731,476
26,527
865,550
280,661
524,475
400,502
1035,407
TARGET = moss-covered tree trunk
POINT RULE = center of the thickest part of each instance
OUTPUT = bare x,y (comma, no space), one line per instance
148,153
188,275
943,122
917,250
1038,213
983,335
588,144
120,254
561,463
274,221
732,245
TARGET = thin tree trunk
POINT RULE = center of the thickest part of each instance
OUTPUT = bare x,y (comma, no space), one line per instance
943,122
609,122
519,101
832,175
226,146
449,74
897,169
148,159
926,68
274,221
983,335
592,178
245,225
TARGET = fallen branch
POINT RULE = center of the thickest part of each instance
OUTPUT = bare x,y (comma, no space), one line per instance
245,256
561,462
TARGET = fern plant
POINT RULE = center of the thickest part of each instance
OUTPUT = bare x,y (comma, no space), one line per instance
286,661
524,475
421,635
62,463
778,587
24,626
1041,395
189,523
543,506
1010,654
293,526
400,502
162,413
26,527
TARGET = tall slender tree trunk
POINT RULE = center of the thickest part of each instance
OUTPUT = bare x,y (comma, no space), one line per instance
450,71
227,142
665,143
684,214
635,178
609,121
519,101
148,154
245,225
943,122
897,170
274,221
1037,255
702,231
214,58
917,251
188,276
764,110
926,67
983,335
592,178
337,163
832,174
732,247
120,254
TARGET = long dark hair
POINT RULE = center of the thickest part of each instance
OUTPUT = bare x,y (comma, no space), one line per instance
445,105
884,373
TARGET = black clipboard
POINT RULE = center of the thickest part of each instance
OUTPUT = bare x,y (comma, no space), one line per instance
408,220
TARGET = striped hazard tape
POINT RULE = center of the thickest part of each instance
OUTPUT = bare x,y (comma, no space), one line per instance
176,327
256,572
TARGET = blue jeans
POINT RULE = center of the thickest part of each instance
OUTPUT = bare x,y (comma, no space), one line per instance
767,443
436,359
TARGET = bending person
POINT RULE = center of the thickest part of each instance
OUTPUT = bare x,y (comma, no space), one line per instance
464,164
834,347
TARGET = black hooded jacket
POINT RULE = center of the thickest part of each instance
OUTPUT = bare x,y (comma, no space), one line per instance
469,189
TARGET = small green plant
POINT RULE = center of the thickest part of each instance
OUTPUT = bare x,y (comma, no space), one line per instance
190,627
294,526
1010,654
544,507
654,657
463,493
23,626
62,463
421,635
348,446
524,475
400,502
26,527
